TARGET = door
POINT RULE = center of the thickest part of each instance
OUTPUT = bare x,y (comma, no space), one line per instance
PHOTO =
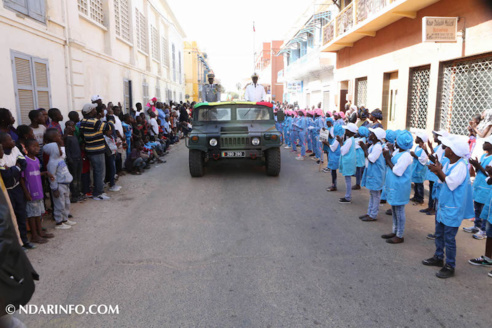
343,100
392,95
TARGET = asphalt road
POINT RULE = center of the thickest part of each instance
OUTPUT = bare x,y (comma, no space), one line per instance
239,249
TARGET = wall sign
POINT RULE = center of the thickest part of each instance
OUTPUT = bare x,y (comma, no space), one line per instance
439,29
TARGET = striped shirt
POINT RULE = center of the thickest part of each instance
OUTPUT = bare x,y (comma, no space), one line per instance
92,132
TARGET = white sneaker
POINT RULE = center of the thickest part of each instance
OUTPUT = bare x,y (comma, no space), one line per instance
480,235
300,158
63,226
71,223
101,197
287,147
115,188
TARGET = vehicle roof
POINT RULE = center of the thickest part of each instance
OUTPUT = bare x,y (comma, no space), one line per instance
226,103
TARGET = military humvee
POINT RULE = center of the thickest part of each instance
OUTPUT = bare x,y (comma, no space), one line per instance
232,130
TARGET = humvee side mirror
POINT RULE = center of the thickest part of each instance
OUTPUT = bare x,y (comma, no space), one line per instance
280,116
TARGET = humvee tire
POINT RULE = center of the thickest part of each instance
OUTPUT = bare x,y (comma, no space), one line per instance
272,157
196,163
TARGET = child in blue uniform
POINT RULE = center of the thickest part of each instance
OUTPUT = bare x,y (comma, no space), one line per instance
348,160
486,215
398,184
481,189
419,167
333,152
390,141
455,203
363,134
374,174
437,151
301,126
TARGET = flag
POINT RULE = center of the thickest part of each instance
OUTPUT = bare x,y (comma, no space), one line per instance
254,27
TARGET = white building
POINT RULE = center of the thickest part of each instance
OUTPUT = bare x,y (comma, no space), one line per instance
308,73
57,53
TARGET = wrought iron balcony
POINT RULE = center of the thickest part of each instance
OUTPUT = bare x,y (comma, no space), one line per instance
363,18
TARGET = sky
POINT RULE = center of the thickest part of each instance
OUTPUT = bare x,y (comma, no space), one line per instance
224,30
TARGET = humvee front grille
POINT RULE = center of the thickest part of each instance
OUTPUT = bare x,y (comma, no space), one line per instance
234,141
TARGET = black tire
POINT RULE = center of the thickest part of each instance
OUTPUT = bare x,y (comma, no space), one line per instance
196,163
272,156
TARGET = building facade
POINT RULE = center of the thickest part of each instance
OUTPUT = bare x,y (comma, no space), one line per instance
308,74
60,53
196,70
386,58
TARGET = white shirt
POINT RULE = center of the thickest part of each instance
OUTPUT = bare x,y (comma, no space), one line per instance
374,152
439,152
118,126
334,145
423,156
11,160
403,162
39,133
255,93
346,147
457,175
155,127
357,140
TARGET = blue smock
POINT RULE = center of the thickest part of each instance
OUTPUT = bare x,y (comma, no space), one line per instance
374,175
360,158
481,189
348,161
398,188
457,205
418,170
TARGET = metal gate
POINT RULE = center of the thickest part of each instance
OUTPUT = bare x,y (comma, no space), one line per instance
361,91
419,98
466,90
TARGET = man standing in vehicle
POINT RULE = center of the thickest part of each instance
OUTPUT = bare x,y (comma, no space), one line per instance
255,92
211,91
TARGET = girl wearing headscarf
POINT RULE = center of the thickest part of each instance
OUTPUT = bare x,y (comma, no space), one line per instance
301,127
376,116
398,179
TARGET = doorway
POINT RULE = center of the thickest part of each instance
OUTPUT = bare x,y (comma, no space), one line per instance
390,97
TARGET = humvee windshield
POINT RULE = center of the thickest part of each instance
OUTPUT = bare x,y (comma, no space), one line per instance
228,114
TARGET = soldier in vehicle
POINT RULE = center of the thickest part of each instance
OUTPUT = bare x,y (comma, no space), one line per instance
211,92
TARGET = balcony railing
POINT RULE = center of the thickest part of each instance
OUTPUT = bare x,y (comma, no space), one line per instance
355,13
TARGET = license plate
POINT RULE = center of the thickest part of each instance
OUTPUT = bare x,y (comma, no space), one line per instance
233,154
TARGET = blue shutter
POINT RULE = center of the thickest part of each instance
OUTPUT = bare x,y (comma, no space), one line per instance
37,9
18,5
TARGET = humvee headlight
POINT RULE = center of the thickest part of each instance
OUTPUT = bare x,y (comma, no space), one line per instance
255,141
213,142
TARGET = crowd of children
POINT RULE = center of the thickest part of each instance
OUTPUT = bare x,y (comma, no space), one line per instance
45,167
387,162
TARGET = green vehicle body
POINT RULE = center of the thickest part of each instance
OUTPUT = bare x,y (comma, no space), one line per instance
236,128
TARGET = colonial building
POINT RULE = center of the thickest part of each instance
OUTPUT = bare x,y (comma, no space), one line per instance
426,63
308,74
60,53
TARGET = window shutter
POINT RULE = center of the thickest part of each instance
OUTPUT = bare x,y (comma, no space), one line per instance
18,5
41,83
37,9
24,87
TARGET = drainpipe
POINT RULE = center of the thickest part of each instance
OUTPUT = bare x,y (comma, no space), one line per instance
68,57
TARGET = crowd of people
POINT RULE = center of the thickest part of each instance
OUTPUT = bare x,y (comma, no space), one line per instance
45,167
388,162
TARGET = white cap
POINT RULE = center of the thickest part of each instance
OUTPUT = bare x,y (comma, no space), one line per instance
441,133
422,136
96,98
353,107
88,108
351,127
458,144
380,133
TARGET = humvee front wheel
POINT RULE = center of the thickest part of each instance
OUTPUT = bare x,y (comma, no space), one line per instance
196,163
272,157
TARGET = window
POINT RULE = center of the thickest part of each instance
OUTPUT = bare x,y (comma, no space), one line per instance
418,97
158,91
214,114
174,63
122,19
32,84
127,90
33,8
156,51
179,67
361,91
142,32
252,114
145,93
92,9
165,52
